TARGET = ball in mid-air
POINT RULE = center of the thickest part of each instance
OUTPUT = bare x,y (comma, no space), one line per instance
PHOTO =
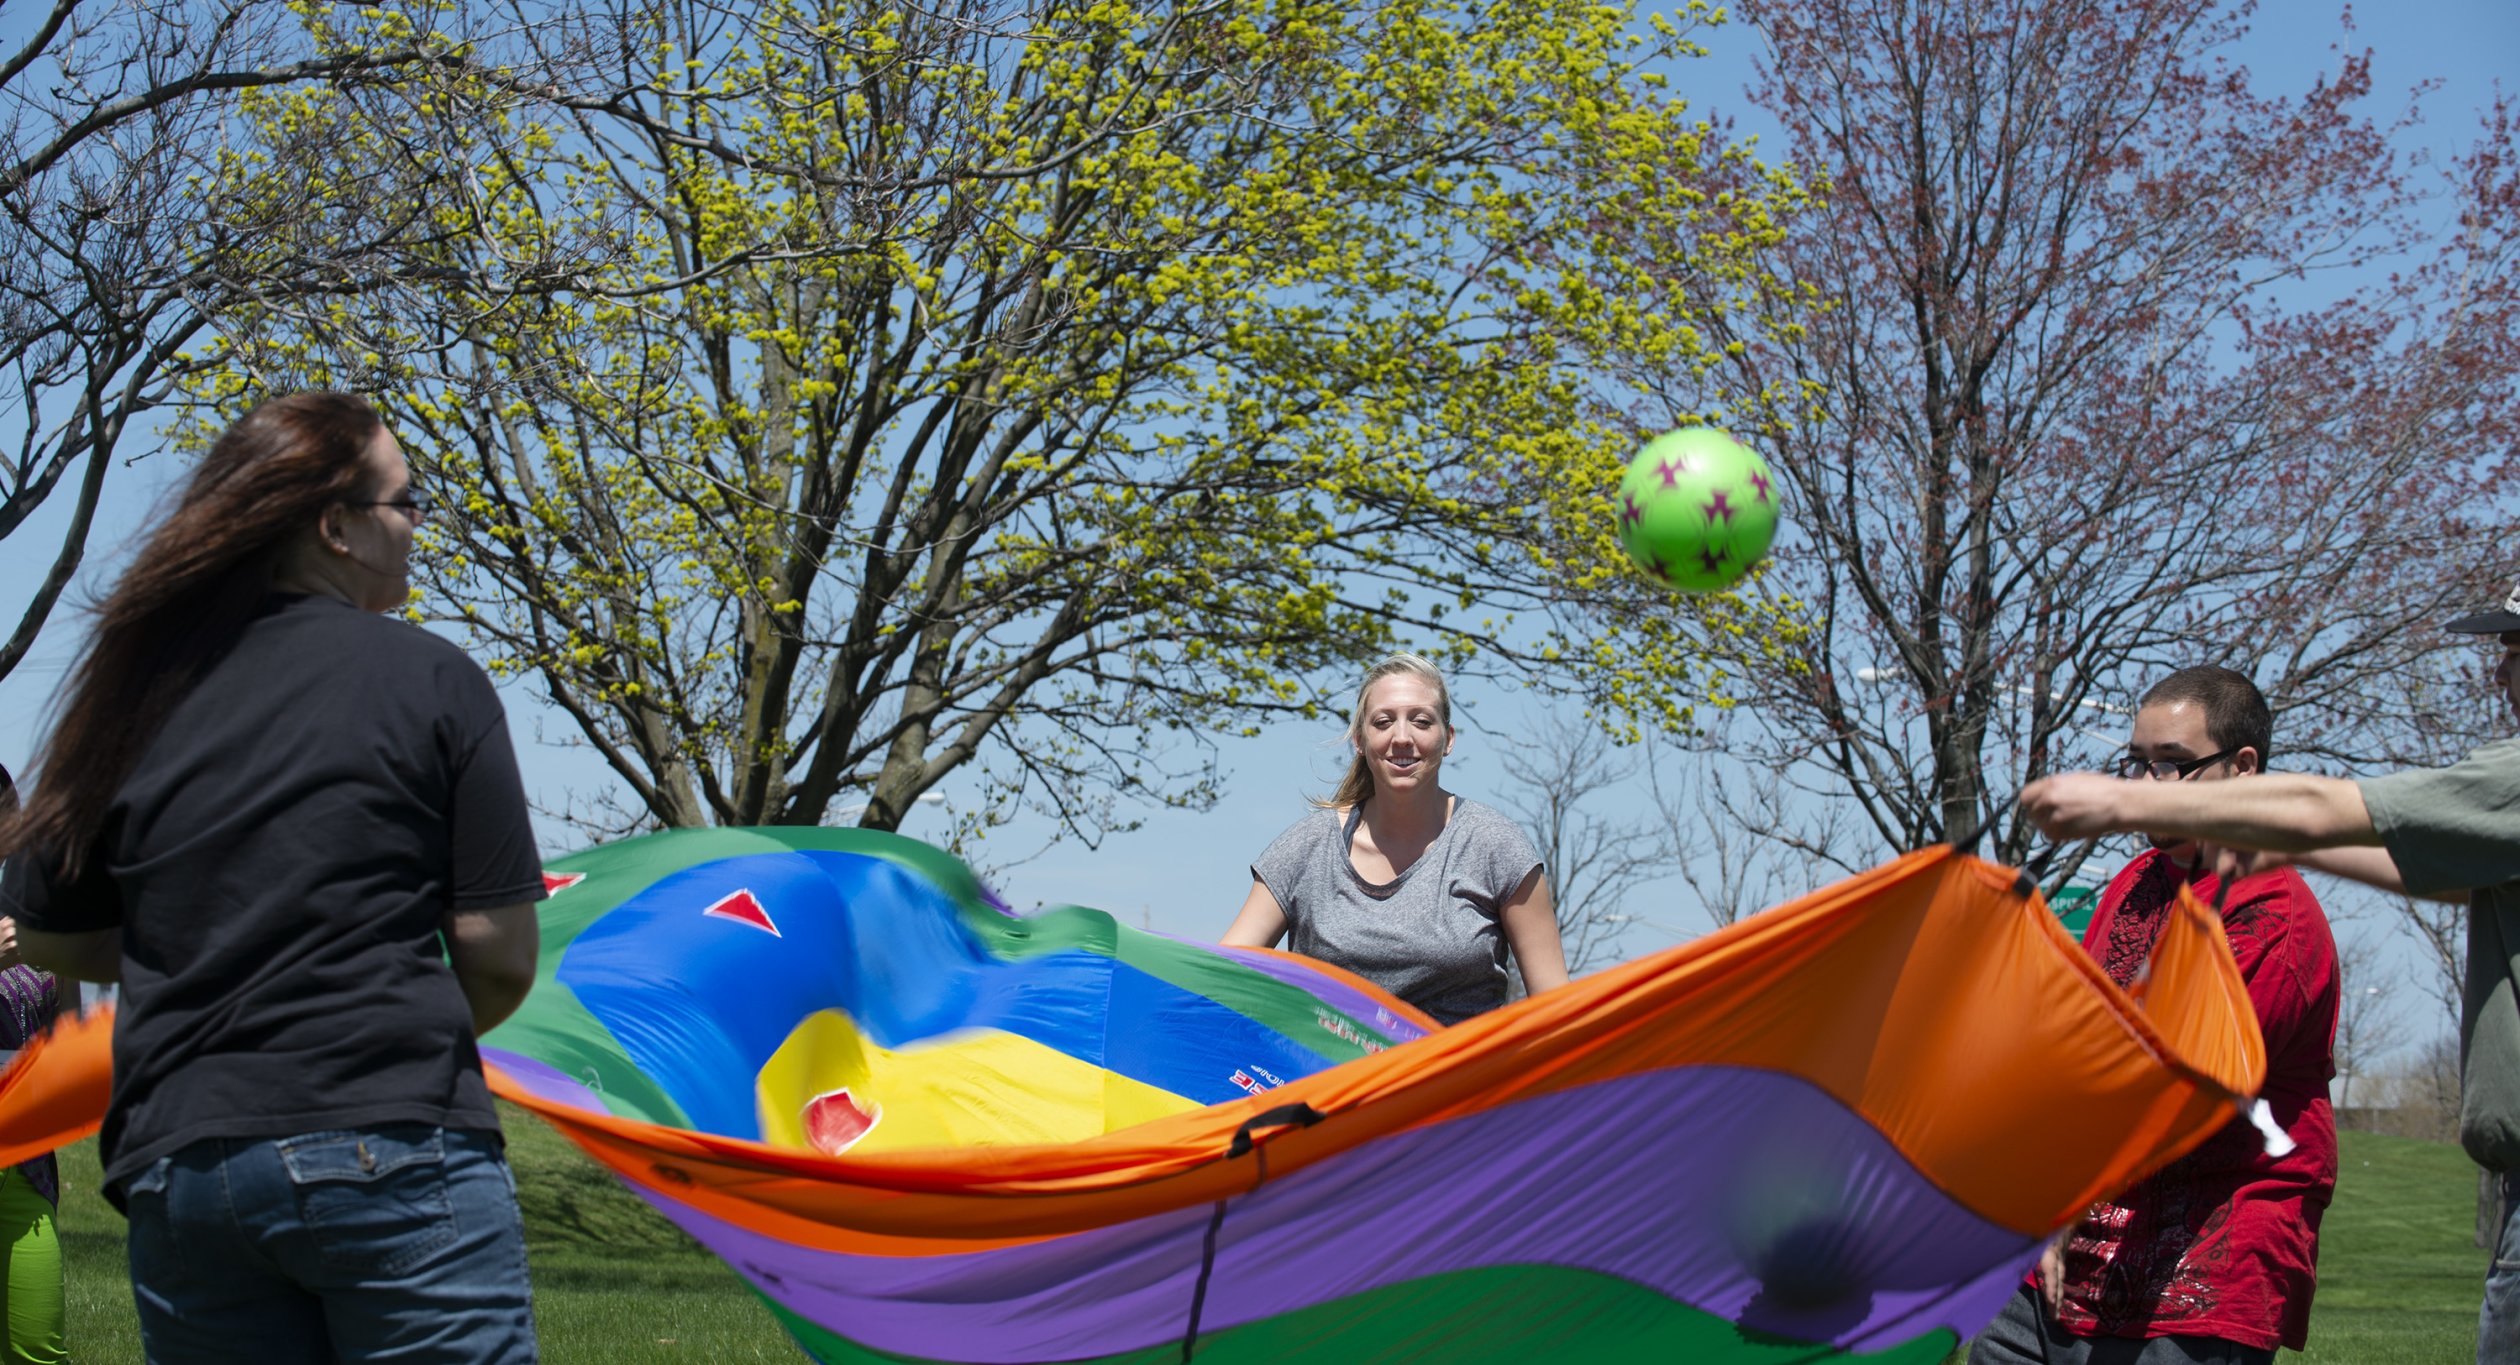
1697,509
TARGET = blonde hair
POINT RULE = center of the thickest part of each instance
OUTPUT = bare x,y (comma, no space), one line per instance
1359,782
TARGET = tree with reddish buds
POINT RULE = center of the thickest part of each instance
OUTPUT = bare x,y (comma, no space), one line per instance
2093,359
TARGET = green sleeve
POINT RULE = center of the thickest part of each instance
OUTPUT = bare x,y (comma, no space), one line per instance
2454,828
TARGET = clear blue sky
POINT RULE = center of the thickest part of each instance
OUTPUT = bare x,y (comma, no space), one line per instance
1186,873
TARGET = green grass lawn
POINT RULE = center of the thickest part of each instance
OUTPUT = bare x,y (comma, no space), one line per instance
2400,1274
2399,1277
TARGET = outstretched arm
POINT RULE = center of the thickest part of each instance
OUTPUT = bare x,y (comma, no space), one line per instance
2274,812
2316,822
2371,867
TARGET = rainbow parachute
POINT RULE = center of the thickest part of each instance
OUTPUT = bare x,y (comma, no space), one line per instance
926,1129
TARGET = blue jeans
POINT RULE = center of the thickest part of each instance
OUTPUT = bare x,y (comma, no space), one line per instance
2498,1326
400,1243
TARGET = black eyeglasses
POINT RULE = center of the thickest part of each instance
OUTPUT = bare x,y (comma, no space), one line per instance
2168,769
417,503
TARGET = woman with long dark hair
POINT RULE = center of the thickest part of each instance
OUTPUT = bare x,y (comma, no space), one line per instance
291,826
1419,891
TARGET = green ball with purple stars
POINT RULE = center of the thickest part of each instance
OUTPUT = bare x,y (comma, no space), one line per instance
1697,509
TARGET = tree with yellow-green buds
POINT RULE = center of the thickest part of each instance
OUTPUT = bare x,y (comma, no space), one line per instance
833,395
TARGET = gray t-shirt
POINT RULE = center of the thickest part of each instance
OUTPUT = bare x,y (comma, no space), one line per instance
2458,828
1430,936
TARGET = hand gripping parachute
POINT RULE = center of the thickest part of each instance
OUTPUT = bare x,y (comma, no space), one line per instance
926,1129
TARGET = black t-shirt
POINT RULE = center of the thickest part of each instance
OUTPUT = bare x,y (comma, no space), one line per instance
279,862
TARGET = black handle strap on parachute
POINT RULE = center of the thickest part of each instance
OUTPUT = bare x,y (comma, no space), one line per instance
2037,869
1244,1144
1284,1116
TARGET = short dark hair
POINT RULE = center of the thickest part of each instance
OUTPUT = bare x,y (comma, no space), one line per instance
2236,714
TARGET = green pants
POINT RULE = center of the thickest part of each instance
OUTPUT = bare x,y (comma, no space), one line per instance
31,1294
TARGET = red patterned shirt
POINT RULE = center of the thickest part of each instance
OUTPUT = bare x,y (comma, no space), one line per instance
2223,1242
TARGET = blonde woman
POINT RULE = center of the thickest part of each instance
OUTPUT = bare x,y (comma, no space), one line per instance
1394,878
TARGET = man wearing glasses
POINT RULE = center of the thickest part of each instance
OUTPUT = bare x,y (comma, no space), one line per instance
2449,834
2212,1258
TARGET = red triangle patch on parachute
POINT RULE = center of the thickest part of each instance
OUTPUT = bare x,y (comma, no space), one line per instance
744,908
834,1121
556,882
